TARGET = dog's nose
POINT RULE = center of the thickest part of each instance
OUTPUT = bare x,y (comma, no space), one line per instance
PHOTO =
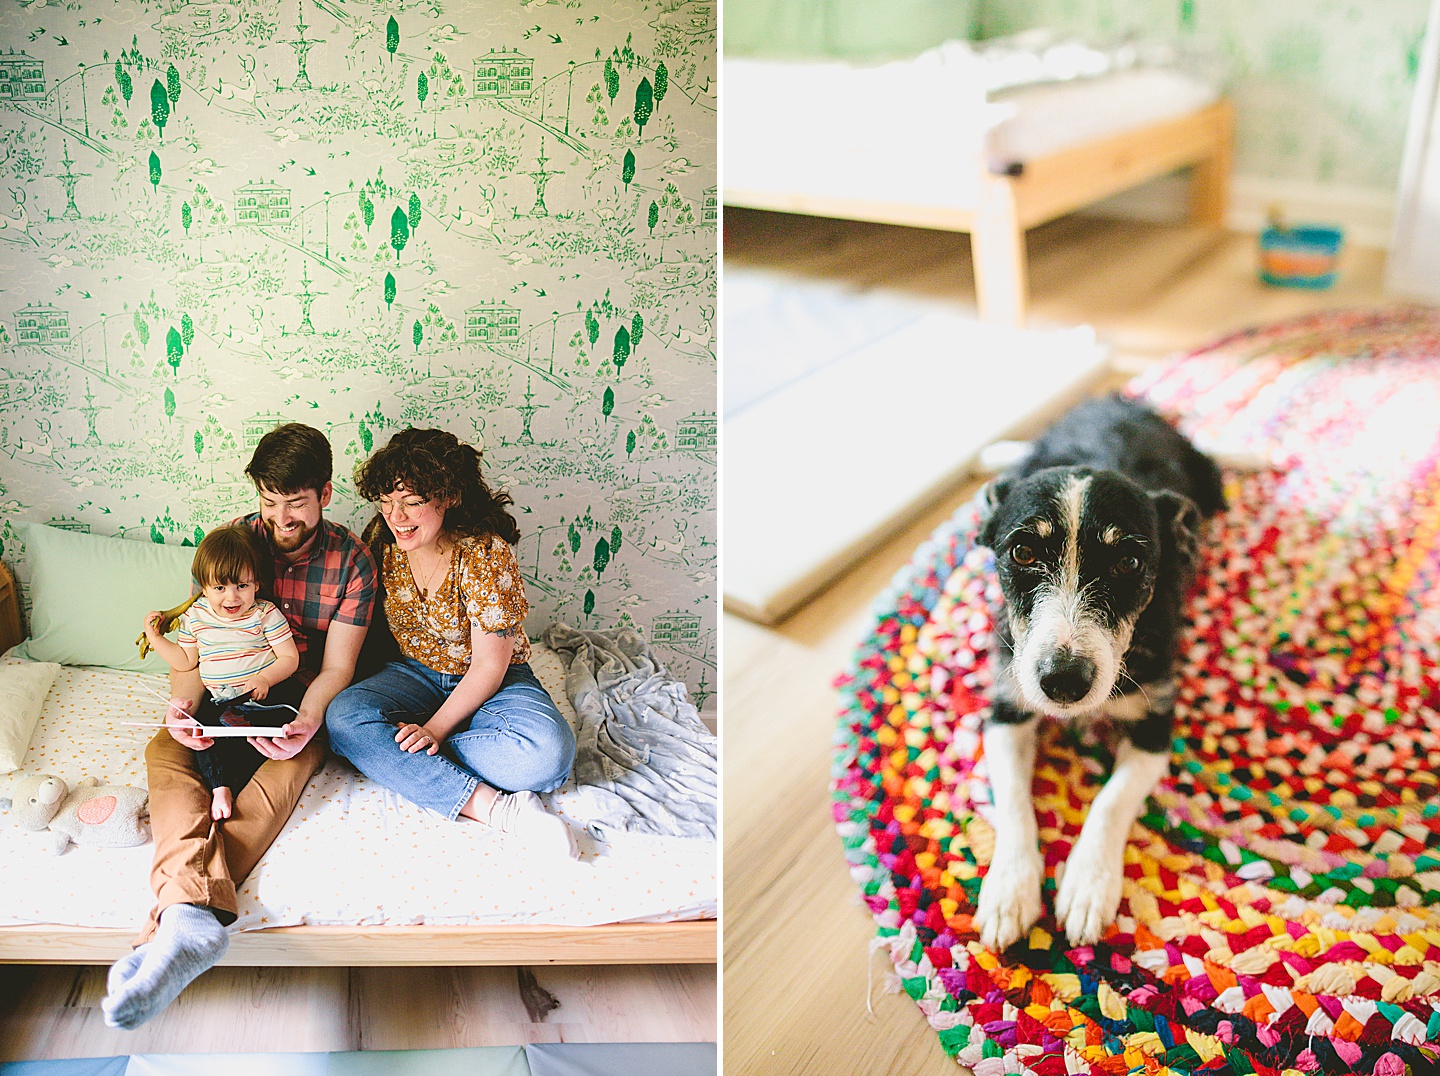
1066,677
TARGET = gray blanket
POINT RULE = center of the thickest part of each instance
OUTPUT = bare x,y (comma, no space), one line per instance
645,763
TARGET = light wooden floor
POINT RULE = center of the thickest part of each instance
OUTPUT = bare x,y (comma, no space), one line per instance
50,1012
795,935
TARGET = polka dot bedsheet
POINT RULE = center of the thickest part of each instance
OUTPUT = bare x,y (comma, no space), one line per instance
352,853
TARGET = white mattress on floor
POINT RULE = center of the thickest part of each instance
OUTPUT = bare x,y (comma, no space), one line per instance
353,853
847,413
919,133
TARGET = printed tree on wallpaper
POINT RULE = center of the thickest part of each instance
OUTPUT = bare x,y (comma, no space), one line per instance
399,231
258,239
123,81
612,81
159,107
644,104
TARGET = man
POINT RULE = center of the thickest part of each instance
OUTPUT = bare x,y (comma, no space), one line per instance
325,584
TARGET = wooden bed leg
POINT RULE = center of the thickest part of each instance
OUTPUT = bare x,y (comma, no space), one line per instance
1210,177
998,248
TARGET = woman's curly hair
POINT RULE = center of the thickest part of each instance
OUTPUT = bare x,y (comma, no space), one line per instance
437,466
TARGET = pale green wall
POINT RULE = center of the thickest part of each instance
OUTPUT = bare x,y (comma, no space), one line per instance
288,319
1322,86
849,29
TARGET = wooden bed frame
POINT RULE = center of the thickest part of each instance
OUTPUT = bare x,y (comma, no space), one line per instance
1043,189
690,942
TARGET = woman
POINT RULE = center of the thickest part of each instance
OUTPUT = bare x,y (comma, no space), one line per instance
460,724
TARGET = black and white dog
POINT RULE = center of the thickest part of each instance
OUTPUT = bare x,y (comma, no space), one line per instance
1094,535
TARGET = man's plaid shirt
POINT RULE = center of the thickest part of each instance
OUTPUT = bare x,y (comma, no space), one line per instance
335,582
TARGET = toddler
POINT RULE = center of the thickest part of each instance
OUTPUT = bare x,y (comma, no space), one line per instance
244,648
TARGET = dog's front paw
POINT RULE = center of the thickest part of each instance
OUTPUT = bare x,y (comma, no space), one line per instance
1089,895
1009,898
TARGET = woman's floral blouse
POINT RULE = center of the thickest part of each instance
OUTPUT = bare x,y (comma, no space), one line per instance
483,587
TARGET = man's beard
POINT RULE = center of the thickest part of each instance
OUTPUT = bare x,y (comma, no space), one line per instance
292,542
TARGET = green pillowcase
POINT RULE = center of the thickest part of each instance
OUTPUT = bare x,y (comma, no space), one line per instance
89,595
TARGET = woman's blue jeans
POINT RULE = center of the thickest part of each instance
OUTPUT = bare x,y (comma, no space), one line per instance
517,740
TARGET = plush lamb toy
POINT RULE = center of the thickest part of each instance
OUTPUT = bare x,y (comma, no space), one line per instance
103,816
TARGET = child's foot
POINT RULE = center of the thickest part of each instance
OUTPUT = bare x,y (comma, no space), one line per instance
222,804
522,815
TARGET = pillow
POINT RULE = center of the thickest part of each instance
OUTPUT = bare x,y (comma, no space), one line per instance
89,595
23,686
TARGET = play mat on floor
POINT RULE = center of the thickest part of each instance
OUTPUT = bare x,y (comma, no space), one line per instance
534,1059
1281,911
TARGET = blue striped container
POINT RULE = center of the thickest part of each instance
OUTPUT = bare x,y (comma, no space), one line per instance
1300,257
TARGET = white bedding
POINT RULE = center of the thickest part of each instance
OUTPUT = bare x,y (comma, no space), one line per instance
352,853
920,131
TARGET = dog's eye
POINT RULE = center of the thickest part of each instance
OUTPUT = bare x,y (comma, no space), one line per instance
1126,565
1022,554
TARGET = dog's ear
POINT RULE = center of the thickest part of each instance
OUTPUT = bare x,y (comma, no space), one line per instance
1205,483
992,496
1179,531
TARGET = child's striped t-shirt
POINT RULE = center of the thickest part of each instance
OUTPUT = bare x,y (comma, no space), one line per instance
232,651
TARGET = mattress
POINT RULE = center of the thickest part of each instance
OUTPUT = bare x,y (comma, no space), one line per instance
920,132
353,853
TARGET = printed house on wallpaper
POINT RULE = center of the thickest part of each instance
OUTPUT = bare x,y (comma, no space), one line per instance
504,74
696,432
257,426
22,77
262,204
675,628
65,523
42,325
492,323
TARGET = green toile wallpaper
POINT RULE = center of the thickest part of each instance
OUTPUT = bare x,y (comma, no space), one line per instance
493,216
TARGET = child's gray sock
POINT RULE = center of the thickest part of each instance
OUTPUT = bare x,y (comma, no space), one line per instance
188,943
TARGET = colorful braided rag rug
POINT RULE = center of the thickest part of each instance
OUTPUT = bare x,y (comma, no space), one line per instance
1281,910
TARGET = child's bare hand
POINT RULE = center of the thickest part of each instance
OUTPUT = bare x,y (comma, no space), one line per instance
152,624
257,687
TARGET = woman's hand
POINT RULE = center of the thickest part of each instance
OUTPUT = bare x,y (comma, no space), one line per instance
412,738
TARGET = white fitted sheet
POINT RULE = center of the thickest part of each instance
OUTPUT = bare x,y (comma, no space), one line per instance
352,853
920,132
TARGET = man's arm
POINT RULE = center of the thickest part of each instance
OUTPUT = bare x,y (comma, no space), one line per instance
337,669
186,691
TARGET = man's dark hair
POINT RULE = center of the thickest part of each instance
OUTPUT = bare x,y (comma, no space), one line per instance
291,458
